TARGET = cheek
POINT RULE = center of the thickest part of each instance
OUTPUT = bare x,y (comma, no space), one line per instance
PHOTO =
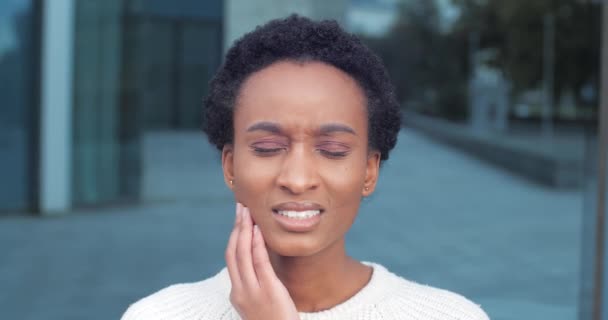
253,181
345,182
344,191
252,170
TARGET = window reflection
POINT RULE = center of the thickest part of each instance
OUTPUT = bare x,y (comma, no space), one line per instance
17,96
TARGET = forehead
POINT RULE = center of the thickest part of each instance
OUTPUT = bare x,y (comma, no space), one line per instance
301,94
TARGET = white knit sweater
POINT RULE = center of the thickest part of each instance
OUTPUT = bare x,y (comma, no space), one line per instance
386,296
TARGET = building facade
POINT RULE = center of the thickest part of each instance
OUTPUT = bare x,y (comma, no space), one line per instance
83,80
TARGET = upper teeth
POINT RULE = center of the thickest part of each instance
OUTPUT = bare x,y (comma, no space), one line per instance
299,214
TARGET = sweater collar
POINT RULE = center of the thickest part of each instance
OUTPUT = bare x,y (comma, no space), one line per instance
373,292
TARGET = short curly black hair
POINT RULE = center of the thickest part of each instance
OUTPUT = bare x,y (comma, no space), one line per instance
301,40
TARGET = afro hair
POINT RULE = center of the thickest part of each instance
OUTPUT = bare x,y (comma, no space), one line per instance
301,40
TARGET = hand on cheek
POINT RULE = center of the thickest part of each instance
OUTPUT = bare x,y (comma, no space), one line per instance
257,293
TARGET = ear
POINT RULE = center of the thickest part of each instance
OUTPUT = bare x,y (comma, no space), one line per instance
372,171
228,165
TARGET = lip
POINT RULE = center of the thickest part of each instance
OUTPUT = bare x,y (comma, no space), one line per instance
297,206
297,225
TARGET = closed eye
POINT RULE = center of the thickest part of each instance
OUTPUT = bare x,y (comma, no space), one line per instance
266,151
334,154
333,149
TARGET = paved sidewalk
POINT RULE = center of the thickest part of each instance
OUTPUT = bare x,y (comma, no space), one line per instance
439,217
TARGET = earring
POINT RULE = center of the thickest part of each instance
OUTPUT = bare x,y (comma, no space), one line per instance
231,181
366,189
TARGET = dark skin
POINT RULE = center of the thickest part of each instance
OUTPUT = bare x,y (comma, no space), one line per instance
300,135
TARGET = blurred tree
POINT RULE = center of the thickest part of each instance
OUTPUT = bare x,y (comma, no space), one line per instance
427,65
430,64
515,29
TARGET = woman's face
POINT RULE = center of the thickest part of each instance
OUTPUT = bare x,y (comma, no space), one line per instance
300,143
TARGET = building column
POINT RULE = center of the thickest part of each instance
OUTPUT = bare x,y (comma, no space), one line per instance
56,106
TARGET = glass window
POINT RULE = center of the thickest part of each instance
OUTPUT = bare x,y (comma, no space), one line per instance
171,54
106,130
139,66
18,98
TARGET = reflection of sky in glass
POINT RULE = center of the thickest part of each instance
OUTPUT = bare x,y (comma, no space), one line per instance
449,13
376,3
8,10
376,17
186,8
371,17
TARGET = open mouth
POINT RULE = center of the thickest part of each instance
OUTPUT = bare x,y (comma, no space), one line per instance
298,221
298,215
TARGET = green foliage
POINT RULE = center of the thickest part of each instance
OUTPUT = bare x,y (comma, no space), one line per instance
515,28
427,66
430,65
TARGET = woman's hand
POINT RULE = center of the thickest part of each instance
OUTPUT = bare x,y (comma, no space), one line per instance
256,292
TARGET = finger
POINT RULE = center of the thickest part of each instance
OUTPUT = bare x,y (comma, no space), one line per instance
243,252
231,262
261,261
238,214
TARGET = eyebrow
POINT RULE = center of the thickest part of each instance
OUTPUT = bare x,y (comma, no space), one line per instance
266,126
336,127
323,130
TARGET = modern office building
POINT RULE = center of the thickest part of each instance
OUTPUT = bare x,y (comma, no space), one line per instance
83,80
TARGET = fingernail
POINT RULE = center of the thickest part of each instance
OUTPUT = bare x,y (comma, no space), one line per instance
238,209
256,230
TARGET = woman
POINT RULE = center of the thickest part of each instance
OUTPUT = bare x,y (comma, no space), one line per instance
303,114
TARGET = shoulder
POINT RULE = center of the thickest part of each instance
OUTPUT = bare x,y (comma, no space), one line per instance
411,299
207,299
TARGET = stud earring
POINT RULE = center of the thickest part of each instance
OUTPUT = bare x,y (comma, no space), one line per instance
231,181
366,189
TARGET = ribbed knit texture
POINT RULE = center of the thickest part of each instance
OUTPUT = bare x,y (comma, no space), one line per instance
387,296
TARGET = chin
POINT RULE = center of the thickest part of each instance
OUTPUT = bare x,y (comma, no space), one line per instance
297,246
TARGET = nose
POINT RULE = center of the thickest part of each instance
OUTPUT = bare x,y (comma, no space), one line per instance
298,171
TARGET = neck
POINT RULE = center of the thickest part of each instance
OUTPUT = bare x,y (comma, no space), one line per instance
323,280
